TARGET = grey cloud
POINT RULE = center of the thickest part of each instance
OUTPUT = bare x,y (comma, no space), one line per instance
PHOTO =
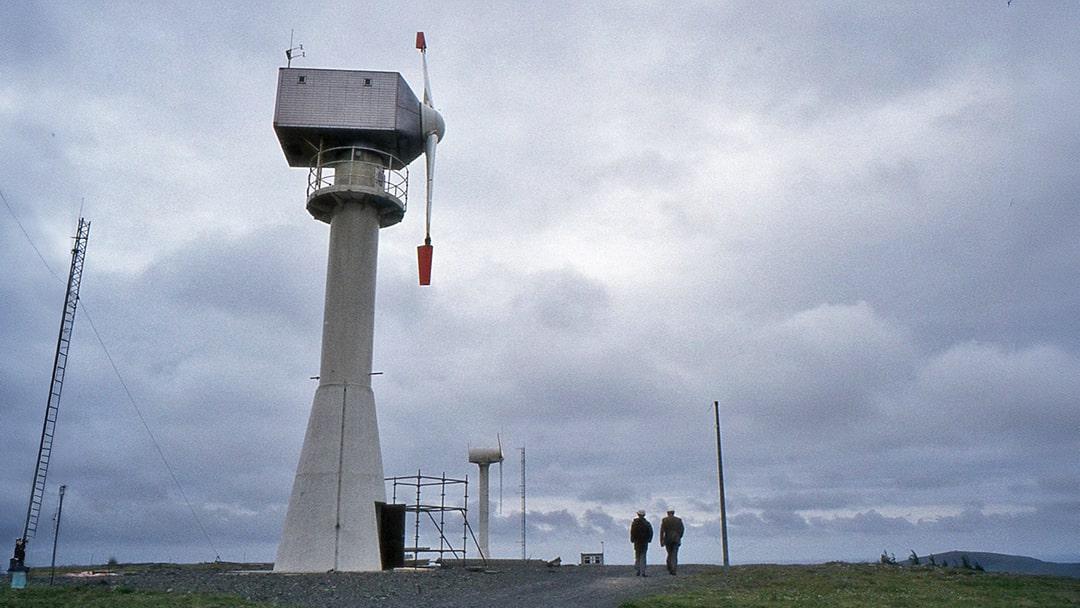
849,225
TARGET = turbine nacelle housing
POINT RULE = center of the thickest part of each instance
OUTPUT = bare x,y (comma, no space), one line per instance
330,108
485,455
357,131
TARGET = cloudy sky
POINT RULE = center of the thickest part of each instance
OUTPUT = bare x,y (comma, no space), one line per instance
854,225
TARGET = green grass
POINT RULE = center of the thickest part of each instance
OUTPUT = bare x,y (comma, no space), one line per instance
838,585
38,593
114,597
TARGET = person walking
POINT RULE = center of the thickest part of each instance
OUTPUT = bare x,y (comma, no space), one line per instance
641,534
671,533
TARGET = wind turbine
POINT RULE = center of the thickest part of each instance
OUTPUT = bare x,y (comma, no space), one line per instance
484,458
356,132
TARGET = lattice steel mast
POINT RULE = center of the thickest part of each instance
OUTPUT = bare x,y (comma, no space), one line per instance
48,430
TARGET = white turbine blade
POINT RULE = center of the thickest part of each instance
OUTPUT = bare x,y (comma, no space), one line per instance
429,153
430,119
432,128
421,44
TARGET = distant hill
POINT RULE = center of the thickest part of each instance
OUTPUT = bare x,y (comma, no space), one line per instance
997,562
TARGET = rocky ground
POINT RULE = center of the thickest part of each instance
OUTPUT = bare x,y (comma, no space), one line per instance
500,584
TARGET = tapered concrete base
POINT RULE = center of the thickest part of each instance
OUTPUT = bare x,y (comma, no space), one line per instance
331,523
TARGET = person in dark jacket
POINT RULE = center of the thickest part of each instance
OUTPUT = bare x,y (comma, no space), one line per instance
19,559
641,534
671,533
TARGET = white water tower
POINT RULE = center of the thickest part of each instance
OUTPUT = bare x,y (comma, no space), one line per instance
356,132
485,457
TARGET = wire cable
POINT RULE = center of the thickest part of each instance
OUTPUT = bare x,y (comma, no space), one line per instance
120,378
153,439
28,239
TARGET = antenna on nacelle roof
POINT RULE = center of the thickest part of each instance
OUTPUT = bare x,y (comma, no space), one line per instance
289,54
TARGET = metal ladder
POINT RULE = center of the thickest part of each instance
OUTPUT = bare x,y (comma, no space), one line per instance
52,408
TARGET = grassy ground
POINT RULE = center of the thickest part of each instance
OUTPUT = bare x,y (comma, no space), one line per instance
120,597
39,594
858,585
833,585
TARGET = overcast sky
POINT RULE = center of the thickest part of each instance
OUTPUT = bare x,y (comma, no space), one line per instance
854,225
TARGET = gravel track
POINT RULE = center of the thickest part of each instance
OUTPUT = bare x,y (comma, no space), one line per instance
500,584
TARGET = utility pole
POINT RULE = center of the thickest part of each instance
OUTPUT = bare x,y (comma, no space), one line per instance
523,554
56,533
720,470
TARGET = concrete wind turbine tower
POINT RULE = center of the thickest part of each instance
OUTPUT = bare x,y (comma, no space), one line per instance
485,457
356,132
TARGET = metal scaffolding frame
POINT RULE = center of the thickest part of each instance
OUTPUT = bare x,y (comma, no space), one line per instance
435,514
